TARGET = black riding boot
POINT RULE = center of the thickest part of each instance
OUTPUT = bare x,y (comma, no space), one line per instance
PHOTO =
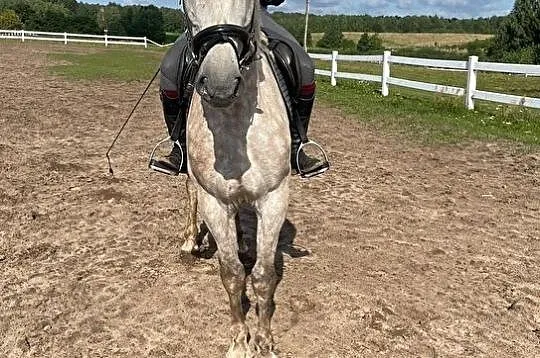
302,114
176,161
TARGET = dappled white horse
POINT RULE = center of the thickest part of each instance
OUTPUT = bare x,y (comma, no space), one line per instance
238,153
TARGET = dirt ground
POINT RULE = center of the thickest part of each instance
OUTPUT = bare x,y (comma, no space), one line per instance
400,251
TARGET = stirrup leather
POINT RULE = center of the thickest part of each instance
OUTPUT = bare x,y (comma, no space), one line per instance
154,164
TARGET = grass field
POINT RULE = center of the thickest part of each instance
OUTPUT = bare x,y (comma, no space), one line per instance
124,64
400,40
420,116
431,118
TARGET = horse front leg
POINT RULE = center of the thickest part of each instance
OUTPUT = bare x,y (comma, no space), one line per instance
220,220
190,229
271,213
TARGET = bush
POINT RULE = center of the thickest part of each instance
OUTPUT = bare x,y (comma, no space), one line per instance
348,45
369,43
9,20
430,52
479,47
527,55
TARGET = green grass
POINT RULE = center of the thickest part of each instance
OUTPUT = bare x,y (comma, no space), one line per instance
421,116
431,118
120,64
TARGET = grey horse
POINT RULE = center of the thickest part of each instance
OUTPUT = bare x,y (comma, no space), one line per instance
239,147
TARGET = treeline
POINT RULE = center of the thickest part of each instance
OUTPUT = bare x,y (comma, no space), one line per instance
517,36
407,24
516,40
75,17
153,22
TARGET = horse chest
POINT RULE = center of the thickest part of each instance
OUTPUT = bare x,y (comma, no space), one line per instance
247,189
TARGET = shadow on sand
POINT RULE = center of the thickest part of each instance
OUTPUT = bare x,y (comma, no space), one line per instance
246,226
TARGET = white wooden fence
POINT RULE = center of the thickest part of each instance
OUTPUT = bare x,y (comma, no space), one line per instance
81,38
472,66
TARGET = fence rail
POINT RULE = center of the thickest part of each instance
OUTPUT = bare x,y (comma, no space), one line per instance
472,66
66,38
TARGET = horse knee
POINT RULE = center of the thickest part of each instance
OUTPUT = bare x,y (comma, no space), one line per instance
233,276
264,279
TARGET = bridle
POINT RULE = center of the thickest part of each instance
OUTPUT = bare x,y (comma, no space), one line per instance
242,39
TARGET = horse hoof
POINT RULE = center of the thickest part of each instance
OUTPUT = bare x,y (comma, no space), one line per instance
189,247
264,346
239,351
266,354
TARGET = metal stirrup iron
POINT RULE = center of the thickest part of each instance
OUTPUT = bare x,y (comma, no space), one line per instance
174,137
305,142
152,163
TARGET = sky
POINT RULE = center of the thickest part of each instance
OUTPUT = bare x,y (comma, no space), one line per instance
443,8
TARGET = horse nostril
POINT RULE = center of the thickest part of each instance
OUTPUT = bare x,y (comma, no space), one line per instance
201,85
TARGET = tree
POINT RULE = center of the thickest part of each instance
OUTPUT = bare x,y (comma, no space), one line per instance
9,20
71,5
153,23
369,43
519,34
298,33
85,21
143,21
332,37
173,20
111,18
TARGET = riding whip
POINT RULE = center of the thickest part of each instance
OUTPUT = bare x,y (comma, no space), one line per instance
127,120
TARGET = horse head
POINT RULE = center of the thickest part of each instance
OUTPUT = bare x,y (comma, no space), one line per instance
223,38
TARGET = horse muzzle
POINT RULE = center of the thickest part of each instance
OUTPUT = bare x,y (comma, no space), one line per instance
219,81
219,95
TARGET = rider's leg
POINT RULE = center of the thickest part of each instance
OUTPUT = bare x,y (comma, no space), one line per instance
174,110
302,96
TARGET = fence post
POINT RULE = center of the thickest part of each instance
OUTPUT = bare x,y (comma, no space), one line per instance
333,80
385,73
145,42
106,39
22,35
65,38
471,82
